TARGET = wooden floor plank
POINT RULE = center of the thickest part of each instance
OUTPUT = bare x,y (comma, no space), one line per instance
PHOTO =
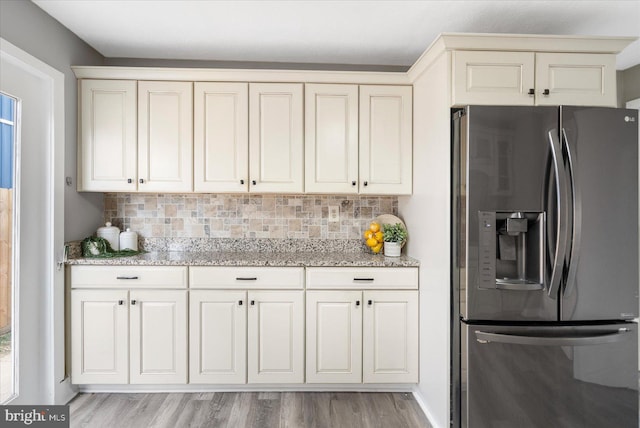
248,410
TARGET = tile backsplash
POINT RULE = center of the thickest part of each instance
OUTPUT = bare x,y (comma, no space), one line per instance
244,216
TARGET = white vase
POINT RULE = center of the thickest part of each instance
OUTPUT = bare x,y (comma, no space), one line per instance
392,249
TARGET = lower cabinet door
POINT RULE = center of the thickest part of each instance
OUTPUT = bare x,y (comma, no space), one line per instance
334,336
275,340
99,336
158,336
217,336
390,337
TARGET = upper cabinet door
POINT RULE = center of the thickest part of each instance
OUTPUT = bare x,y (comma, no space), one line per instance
165,139
385,140
331,138
107,148
275,138
495,78
576,79
221,141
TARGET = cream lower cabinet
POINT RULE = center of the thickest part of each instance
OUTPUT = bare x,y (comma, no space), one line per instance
121,336
246,325
218,336
367,334
136,333
99,336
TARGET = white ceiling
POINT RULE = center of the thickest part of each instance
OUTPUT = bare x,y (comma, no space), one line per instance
329,32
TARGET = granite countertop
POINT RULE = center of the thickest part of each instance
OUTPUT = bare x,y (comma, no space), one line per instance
247,258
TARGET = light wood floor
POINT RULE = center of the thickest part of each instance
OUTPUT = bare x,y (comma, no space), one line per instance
248,409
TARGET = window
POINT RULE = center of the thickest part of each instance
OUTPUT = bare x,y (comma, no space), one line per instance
7,291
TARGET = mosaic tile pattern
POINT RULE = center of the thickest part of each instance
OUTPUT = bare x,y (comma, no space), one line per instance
245,216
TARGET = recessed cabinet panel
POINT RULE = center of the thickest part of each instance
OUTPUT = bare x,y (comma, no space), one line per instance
107,148
385,139
334,336
217,338
99,337
576,79
276,138
493,78
276,337
165,141
390,336
221,142
158,336
331,138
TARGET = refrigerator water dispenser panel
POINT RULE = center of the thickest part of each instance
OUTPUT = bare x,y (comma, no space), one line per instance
511,253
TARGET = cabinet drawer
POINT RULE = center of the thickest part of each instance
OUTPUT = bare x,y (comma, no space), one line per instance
245,277
129,276
362,278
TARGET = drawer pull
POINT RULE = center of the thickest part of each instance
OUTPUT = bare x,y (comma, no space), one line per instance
369,302
127,277
120,302
253,302
133,302
242,278
364,279
357,302
239,302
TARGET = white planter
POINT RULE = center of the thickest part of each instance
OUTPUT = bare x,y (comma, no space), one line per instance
392,249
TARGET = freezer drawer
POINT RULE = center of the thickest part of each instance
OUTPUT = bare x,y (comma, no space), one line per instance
516,376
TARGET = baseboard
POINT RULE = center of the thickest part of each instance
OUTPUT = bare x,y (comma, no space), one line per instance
423,405
246,388
65,392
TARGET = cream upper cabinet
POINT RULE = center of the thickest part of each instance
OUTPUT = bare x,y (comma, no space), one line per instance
533,78
165,138
385,140
500,78
107,150
275,337
331,138
221,137
276,138
576,79
158,336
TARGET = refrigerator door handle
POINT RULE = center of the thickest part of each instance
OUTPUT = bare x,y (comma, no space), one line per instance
542,340
576,212
561,229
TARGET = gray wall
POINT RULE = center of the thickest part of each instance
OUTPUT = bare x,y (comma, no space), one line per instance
630,83
28,27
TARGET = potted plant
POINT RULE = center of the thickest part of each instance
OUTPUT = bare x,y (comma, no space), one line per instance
394,236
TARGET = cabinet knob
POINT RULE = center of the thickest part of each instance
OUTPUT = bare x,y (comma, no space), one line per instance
366,183
253,302
129,180
531,92
545,92
120,302
241,181
141,181
239,302
369,302
133,302
254,182
357,302
353,183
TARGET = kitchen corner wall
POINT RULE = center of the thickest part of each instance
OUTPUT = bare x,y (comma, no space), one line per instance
244,216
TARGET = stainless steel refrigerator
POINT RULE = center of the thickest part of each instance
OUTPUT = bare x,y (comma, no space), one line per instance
545,267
